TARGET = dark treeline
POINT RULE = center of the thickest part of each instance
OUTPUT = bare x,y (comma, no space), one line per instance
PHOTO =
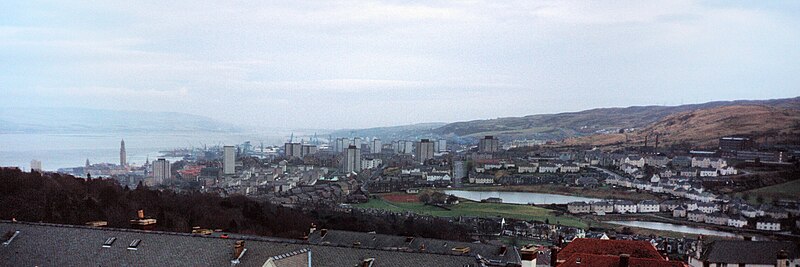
57,198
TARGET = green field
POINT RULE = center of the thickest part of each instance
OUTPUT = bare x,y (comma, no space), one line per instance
477,209
788,190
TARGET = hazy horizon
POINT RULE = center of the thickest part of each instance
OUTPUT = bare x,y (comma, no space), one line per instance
354,64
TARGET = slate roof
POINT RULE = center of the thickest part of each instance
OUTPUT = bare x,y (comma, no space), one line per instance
637,249
40,244
748,252
391,242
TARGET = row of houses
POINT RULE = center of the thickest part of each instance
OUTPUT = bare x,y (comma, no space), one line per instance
528,167
605,207
680,188
677,161
722,219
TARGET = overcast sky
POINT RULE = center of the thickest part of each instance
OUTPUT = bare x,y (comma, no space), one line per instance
344,64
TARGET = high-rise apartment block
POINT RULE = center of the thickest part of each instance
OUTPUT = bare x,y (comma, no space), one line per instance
352,159
228,160
161,170
425,149
489,144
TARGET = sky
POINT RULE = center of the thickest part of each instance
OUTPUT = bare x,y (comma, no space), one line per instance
355,64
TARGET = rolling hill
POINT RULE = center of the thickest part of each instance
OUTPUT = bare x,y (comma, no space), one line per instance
703,127
589,122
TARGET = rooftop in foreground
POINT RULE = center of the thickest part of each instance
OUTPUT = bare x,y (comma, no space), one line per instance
41,244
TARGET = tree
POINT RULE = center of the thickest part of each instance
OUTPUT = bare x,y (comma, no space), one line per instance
425,198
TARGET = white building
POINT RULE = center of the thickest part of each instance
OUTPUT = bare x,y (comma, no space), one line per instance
716,163
625,207
548,168
646,206
370,163
737,222
570,168
526,168
768,225
432,177
228,160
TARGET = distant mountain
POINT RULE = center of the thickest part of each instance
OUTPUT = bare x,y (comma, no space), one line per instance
704,127
82,120
392,132
588,122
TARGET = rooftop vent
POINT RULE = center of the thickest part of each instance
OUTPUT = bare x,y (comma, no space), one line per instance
367,262
462,250
109,242
9,236
134,245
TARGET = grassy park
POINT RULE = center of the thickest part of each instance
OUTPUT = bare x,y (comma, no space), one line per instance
788,190
477,209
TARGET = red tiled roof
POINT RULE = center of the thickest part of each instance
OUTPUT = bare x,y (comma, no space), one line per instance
613,261
637,249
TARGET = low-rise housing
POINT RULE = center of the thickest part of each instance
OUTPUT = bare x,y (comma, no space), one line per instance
579,207
717,219
679,212
602,207
570,168
737,221
696,216
624,206
768,225
648,206
548,168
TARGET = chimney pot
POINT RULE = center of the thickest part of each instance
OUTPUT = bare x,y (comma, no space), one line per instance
140,214
624,260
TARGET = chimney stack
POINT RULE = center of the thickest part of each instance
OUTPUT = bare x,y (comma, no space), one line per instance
528,255
554,256
624,260
238,248
140,214
783,259
657,143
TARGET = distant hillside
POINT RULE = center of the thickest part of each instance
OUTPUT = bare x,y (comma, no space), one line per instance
82,120
703,127
392,132
588,122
